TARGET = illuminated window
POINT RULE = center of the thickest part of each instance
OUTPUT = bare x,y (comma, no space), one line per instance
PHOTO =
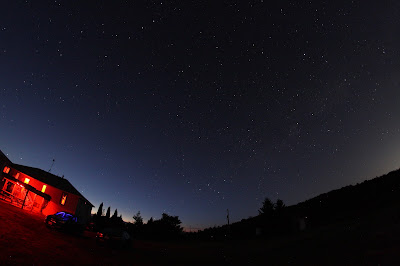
26,181
63,198
6,170
44,188
16,175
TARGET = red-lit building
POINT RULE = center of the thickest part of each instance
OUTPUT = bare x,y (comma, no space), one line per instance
40,191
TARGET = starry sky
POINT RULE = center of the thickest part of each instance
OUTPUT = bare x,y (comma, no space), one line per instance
195,107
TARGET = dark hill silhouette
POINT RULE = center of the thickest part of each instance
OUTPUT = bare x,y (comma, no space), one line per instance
378,197
351,202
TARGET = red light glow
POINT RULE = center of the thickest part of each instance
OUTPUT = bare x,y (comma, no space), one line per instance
6,169
63,199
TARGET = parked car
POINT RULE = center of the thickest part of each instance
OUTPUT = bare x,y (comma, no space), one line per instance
64,221
114,237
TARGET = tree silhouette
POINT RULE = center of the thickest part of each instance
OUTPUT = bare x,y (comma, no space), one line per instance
279,205
167,227
115,215
171,223
108,213
267,207
138,218
100,210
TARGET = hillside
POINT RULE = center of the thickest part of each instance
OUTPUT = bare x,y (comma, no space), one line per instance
378,197
352,202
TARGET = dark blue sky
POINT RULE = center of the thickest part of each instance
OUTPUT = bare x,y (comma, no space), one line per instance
194,107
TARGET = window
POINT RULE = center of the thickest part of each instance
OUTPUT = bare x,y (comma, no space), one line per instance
63,198
16,175
26,181
44,188
9,186
6,169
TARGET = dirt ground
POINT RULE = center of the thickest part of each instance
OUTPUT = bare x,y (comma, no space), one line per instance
25,240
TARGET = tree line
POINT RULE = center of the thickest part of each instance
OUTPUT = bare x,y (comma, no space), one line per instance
167,227
349,203
272,219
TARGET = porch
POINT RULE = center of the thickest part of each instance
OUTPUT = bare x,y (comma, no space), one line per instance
23,195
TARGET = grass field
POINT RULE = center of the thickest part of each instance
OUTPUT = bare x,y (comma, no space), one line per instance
25,240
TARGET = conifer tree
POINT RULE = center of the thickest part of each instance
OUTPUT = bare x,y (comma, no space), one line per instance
138,218
100,210
108,213
115,215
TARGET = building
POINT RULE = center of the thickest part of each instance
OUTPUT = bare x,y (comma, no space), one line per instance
3,160
40,191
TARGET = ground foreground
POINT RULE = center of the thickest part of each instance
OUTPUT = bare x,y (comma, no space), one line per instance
25,240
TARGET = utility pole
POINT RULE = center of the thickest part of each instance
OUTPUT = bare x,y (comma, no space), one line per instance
228,229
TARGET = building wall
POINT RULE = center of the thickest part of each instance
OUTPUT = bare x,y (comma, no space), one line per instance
83,211
3,163
56,194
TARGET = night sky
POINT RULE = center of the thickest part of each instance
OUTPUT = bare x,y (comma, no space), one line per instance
195,107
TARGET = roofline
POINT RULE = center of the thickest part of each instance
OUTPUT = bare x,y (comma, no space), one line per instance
15,166
5,156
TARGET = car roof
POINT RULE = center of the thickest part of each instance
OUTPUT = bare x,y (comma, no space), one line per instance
63,212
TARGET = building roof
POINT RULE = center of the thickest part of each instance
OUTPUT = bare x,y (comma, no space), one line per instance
50,179
4,158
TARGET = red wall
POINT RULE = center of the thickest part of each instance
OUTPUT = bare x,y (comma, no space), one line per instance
55,203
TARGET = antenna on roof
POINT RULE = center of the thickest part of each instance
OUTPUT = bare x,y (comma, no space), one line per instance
51,165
